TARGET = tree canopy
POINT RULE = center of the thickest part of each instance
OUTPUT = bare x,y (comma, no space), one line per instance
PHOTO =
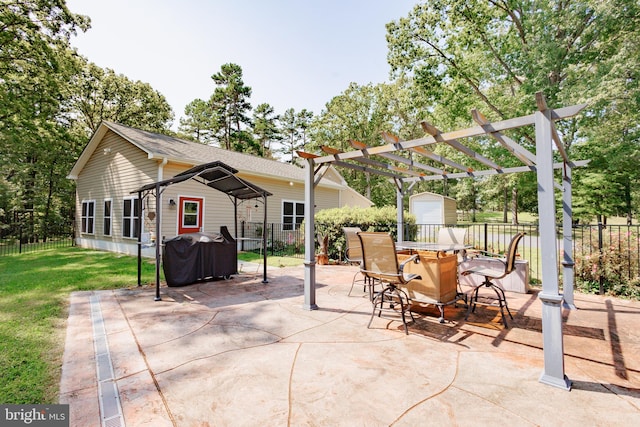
495,55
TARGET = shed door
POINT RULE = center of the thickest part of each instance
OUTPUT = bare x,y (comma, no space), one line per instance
190,215
428,212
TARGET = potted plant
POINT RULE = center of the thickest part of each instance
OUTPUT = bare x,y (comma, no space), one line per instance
322,257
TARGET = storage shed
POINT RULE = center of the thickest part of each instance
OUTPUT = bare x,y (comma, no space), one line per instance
432,208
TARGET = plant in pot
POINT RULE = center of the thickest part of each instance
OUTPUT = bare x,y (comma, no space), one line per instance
323,256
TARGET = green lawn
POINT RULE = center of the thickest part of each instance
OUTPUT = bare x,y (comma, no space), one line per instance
34,294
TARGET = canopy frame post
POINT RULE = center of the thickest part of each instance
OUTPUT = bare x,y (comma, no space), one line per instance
309,238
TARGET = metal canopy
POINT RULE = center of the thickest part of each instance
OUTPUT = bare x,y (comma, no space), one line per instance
414,155
216,175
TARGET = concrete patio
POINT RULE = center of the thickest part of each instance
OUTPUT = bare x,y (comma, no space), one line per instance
242,353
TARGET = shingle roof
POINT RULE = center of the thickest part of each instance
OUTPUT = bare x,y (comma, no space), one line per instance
180,150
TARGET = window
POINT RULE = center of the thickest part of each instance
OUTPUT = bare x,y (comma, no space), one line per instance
190,214
88,216
130,218
106,227
292,215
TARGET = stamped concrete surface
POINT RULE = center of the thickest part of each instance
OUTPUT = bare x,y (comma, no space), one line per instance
242,353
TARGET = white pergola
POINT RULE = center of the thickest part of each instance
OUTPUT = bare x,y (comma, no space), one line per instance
412,172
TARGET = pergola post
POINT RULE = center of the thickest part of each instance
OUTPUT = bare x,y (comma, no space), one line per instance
553,346
309,239
567,240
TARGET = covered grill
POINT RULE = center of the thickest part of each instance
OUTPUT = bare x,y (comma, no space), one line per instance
190,257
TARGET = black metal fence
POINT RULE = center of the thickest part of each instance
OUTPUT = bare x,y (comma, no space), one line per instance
604,254
18,238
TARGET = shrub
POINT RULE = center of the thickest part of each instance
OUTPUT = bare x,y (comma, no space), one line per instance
616,266
330,222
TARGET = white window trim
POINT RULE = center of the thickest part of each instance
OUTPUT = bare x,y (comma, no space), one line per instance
132,217
282,215
93,217
104,216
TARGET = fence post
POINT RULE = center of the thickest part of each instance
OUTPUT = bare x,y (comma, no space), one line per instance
20,239
601,278
486,236
272,240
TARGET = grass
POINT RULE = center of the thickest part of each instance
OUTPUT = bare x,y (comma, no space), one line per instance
34,295
272,261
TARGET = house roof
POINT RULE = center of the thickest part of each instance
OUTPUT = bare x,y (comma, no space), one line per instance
159,146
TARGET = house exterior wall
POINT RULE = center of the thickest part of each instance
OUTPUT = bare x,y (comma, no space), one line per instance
123,168
116,168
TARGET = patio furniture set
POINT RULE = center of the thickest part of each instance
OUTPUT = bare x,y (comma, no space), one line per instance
413,274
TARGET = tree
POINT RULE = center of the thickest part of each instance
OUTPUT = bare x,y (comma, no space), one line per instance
360,113
496,55
231,106
265,128
100,94
293,132
199,122
35,147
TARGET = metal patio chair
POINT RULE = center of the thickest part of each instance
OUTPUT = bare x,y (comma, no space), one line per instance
490,275
353,255
380,263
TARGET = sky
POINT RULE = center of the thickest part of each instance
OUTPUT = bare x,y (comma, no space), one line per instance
293,53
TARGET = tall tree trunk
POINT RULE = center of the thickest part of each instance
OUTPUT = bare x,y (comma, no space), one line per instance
627,201
473,209
368,185
514,205
505,207
47,210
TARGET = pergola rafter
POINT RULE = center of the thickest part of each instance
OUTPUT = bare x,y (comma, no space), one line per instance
542,163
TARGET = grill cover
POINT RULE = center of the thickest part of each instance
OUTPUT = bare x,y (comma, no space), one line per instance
190,257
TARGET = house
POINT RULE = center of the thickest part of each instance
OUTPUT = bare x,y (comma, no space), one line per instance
432,208
119,159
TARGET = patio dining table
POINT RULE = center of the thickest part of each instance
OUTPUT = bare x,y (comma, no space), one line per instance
437,265
430,246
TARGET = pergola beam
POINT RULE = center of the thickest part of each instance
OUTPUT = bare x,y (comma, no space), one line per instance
487,172
361,146
393,139
557,114
513,147
367,161
453,142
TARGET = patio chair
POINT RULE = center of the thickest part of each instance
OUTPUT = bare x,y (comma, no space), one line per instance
380,263
353,255
453,236
490,275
